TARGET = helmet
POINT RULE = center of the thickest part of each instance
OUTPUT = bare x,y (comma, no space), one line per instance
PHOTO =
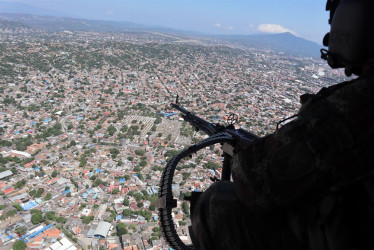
351,38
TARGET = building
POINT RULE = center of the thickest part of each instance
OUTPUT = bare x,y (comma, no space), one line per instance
102,230
101,212
16,153
5,174
63,244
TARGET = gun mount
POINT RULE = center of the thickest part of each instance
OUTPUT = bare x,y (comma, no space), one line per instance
231,140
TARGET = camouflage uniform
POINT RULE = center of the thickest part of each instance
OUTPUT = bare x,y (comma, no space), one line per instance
309,185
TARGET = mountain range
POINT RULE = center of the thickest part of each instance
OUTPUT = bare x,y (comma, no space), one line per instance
14,7
284,42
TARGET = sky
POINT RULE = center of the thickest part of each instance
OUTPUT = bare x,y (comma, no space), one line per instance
304,18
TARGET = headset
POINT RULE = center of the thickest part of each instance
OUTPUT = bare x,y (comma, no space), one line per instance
351,38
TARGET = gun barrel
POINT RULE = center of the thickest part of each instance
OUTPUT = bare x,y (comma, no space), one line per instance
199,123
176,106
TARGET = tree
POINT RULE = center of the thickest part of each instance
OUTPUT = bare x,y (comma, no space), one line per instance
96,183
50,215
9,213
87,219
111,130
139,152
126,202
126,212
17,206
34,210
152,207
114,152
14,170
171,153
61,220
21,230
211,165
42,172
37,218
39,193
143,163
4,143
20,183
124,128
83,161
140,176
185,208
19,245
145,213
186,175
32,192
121,229
158,120
48,197
138,196
54,173
98,127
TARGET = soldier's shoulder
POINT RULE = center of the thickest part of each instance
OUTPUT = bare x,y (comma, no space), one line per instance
345,95
357,92
363,84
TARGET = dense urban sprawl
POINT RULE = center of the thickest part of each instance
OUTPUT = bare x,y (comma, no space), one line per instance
86,128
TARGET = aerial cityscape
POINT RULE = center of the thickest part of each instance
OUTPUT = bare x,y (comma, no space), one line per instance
86,127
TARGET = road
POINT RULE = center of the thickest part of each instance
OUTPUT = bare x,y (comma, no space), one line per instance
63,123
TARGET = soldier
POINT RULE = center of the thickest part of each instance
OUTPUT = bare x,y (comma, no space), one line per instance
310,184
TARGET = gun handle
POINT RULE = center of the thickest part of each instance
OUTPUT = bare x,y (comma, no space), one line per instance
226,169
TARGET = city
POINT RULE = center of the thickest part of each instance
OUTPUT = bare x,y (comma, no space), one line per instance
86,128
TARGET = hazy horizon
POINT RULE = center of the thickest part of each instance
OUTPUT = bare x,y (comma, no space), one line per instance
307,20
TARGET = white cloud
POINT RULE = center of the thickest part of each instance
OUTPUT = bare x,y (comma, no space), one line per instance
224,26
109,12
273,28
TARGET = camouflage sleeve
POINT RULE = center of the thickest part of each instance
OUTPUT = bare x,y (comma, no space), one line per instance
329,142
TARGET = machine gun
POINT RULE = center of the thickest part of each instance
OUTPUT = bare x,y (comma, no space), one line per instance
231,139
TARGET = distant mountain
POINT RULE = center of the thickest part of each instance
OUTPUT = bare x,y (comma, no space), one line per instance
5,24
55,24
283,42
12,7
